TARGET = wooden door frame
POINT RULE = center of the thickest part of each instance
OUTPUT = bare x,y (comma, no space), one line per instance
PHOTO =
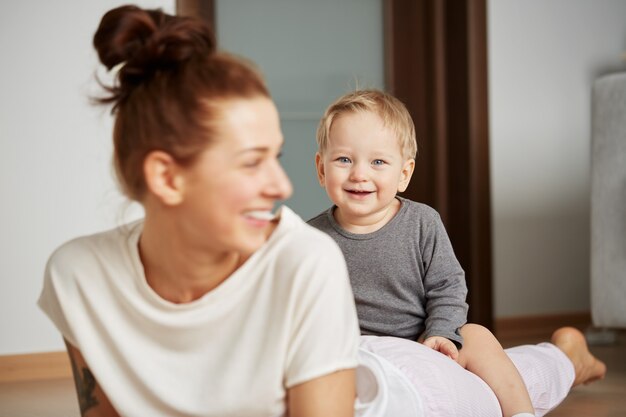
436,63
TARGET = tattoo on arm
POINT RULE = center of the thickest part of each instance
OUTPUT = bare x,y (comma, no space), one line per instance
85,386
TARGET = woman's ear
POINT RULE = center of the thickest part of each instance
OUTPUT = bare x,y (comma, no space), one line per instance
319,164
405,175
163,177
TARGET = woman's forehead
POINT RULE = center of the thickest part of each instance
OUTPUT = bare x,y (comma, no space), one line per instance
245,124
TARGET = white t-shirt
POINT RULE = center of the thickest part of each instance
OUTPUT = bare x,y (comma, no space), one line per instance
284,317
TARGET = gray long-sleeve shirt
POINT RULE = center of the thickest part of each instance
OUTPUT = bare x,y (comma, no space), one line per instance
405,277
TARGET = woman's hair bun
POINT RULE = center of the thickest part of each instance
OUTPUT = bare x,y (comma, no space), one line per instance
144,41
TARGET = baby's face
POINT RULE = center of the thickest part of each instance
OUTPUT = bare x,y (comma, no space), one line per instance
363,167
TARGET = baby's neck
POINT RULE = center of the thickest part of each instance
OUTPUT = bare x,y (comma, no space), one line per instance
369,223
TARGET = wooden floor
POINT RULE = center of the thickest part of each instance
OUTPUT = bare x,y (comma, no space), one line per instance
607,398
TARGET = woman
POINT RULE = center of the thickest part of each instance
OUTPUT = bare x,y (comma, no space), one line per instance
212,305
209,305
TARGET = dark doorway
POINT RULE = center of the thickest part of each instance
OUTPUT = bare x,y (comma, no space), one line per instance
436,54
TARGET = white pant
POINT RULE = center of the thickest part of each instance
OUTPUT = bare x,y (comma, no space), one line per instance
445,389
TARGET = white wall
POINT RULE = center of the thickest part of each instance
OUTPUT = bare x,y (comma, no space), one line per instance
55,175
543,56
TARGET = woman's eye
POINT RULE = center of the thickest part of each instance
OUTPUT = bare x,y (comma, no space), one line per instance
252,164
378,162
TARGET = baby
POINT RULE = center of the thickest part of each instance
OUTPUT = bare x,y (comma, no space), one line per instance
405,277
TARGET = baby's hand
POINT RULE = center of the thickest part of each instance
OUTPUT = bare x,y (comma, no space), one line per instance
443,345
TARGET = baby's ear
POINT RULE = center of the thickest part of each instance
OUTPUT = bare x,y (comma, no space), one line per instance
405,175
319,164
163,177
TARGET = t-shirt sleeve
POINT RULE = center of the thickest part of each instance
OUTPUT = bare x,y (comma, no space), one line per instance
56,287
444,284
324,334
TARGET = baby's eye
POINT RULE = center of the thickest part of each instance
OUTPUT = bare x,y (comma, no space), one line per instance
343,160
378,162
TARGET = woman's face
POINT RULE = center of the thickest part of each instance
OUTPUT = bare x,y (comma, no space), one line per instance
236,180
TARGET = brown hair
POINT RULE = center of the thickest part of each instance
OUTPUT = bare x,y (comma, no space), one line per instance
392,111
169,85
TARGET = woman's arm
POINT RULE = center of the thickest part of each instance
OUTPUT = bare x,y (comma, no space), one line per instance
92,401
329,395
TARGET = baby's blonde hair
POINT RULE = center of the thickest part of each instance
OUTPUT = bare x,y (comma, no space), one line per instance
392,111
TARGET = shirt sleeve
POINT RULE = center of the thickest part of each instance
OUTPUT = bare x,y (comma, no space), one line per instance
55,288
324,333
444,284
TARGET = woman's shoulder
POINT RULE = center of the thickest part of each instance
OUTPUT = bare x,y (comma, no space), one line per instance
86,250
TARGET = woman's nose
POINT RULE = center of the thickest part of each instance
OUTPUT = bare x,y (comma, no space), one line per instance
279,186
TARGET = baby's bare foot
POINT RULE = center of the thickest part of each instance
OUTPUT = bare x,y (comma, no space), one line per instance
587,367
